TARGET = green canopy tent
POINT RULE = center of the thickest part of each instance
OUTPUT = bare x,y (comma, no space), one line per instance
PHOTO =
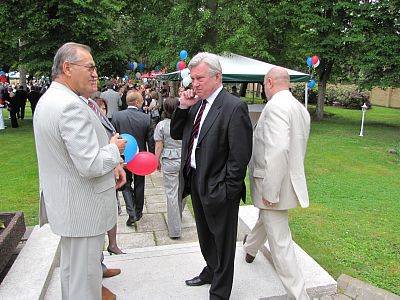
239,69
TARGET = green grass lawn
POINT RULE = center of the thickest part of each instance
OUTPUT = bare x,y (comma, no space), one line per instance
353,223
18,165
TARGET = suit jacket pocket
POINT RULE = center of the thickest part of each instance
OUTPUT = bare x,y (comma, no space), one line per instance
216,195
104,183
258,173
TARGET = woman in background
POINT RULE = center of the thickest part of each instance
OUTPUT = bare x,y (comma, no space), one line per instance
112,233
168,152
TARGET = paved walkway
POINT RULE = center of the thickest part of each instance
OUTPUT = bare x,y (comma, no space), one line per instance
152,230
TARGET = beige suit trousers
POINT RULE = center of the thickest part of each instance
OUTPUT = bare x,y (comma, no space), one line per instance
80,268
273,225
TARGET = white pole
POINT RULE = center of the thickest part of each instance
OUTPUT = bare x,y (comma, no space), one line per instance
306,95
1,118
362,123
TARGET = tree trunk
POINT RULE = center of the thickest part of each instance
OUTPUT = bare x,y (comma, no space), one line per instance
211,34
22,78
323,80
258,90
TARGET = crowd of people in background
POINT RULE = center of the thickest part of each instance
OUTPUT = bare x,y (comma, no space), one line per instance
14,98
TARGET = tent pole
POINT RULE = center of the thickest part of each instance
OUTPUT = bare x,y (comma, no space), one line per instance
306,95
253,93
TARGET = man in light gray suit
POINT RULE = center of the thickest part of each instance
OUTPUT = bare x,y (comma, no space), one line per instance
277,178
76,163
113,100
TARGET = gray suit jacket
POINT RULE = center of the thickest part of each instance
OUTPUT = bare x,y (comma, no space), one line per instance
76,163
113,101
279,148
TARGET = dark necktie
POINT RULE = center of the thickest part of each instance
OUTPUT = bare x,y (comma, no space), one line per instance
194,134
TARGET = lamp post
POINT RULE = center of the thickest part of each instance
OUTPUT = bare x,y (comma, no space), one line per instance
364,109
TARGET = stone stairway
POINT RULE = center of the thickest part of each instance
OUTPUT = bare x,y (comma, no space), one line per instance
155,267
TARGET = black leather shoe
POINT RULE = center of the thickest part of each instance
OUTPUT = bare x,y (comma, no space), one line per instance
249,258
196,281
130,222
139,215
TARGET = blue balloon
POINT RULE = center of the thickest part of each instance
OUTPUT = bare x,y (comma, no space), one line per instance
131,147
141,66
183,54
311,83
309,62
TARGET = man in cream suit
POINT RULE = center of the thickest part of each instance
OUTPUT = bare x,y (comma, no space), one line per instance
76,171
277,178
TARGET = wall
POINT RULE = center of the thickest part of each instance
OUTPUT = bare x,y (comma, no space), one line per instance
388,98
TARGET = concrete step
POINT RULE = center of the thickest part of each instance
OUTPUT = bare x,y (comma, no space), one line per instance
318,282
31,272
160,273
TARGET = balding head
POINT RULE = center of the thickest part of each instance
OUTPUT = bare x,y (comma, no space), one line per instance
276,80
134,98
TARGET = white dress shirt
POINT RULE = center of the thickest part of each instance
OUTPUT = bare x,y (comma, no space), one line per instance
210,101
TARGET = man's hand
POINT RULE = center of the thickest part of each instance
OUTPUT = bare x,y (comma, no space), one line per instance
120,176
120,142
187,99
267,203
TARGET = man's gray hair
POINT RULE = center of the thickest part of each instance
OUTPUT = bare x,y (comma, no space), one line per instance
208,58
67,52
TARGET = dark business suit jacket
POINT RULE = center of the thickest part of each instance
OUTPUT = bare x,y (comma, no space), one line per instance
223,150
137,124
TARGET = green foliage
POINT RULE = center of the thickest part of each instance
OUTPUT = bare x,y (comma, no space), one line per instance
357,41
49,24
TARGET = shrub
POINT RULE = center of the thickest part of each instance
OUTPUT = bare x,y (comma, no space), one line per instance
347,96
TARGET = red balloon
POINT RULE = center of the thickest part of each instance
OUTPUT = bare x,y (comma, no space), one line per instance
143,163
314,59
181,65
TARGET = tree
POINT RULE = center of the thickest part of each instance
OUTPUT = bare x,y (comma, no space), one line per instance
39,28
350,37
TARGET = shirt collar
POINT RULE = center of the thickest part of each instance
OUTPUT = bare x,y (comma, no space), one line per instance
131,106
84,99
214,95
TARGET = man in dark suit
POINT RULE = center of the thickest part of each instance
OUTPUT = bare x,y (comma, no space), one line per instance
137,124
21,96
33,97
216,135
